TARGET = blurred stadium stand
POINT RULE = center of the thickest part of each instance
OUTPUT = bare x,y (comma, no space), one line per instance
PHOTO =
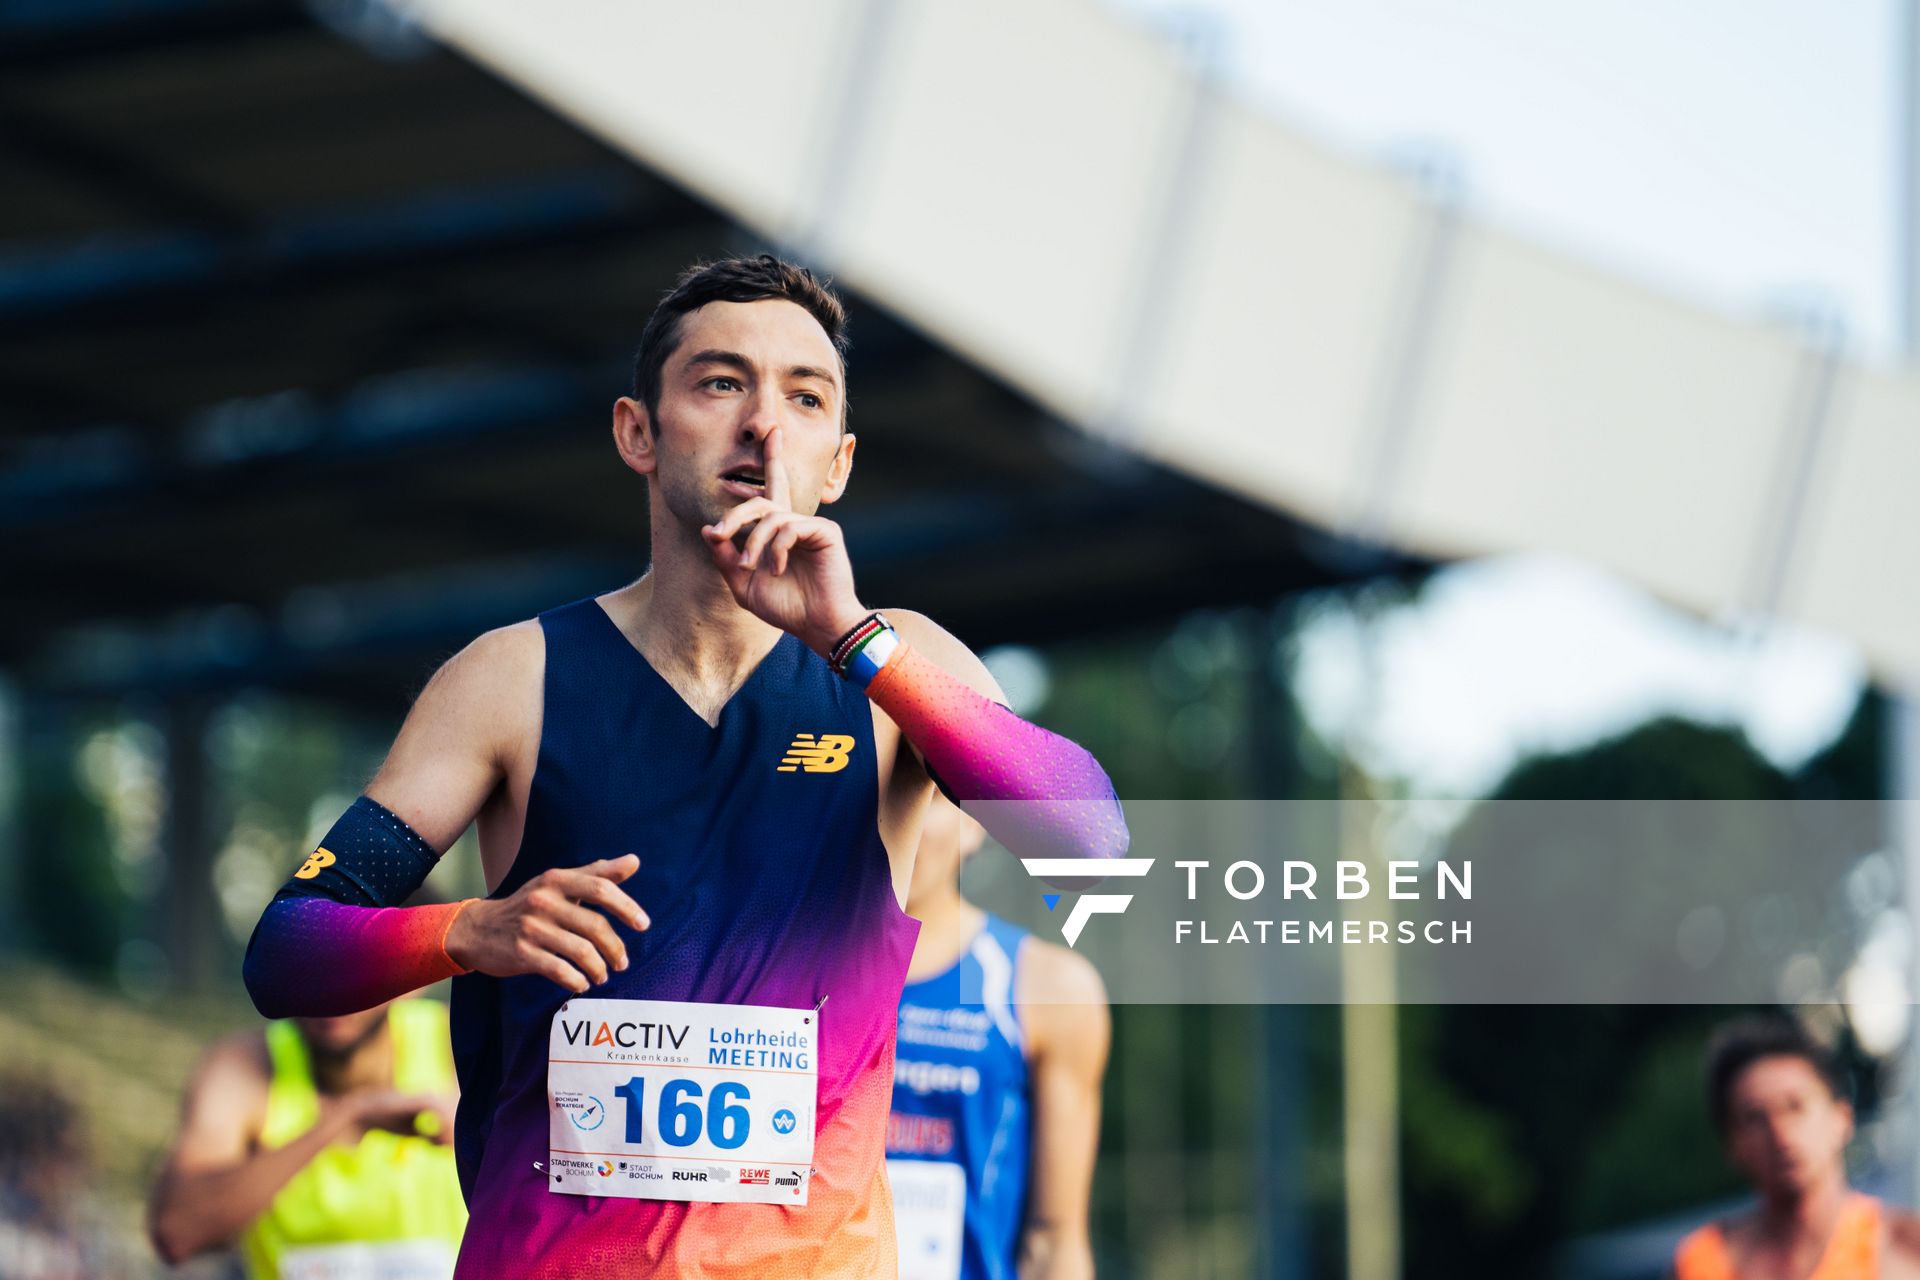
311,330
308,352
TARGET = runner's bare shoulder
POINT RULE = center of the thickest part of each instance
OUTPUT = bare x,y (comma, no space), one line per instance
1903,1246
227,1092
507,660
492,687
1063,1008
1050,974
239,1054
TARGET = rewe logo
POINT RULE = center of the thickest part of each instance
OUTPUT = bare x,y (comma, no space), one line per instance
1087,905
827,754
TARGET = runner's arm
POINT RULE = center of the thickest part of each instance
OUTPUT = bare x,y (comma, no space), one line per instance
213,1182
334,939
327,946
1038,793
1063,1008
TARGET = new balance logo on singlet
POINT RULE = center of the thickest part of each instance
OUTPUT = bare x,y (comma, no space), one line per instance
827,754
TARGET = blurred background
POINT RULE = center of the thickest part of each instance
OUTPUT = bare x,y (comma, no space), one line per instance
1446,403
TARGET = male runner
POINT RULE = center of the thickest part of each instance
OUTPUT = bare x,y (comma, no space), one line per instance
734,740
996,1085
1778,1099
321,1148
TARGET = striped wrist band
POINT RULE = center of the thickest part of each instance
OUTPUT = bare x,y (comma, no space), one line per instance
863,651
862,631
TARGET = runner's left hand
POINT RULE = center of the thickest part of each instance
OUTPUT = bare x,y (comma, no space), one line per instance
790,570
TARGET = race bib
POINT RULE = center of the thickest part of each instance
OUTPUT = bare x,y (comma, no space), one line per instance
929,1216
387,1260
670,1100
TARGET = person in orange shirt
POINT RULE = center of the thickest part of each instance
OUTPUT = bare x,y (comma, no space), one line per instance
1780,1102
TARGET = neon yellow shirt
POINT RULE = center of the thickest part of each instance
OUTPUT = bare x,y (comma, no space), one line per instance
389,1204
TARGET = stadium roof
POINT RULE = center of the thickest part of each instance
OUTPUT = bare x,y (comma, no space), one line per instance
311,333
1061,197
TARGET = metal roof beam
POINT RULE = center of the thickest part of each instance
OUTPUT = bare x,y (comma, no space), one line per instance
283,437
118,176
80,279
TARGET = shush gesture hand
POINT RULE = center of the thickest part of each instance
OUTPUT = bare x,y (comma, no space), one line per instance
790,570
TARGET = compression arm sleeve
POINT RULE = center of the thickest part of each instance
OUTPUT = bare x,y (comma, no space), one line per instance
334,940
1038,793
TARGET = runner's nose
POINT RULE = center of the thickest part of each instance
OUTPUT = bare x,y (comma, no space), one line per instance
762,415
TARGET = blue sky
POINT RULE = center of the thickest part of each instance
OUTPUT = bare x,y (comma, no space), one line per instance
1740,153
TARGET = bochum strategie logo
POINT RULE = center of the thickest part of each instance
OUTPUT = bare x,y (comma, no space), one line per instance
1087,905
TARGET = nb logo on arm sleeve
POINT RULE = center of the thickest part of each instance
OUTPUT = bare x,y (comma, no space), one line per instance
828,754
317,861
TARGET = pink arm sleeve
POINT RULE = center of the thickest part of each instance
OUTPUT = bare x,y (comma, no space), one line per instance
1038,793
314,957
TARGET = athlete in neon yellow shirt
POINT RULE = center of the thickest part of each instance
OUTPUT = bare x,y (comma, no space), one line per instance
320,1148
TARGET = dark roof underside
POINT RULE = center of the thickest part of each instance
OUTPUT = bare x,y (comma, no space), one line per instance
306,354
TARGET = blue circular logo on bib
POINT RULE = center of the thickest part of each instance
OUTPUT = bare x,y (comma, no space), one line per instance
783,1121
589,1116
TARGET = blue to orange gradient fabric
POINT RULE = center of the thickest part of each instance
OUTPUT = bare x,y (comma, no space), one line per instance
764,873
313,957
766,886
1041,795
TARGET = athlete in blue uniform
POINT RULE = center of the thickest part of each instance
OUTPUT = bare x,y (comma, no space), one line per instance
996,1085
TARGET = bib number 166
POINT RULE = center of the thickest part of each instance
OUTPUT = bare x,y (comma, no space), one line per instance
680,1120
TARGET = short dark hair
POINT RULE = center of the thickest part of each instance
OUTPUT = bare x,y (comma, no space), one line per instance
734,280
1740,1044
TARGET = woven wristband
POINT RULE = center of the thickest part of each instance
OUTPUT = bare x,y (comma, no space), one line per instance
860,656
862,631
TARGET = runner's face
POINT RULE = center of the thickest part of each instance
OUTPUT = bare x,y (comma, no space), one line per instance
741,370
334,1037
1785,1129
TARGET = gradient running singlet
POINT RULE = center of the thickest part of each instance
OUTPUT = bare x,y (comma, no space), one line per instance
764,873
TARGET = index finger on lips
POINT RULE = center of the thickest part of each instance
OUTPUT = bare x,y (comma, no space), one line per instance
776,472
